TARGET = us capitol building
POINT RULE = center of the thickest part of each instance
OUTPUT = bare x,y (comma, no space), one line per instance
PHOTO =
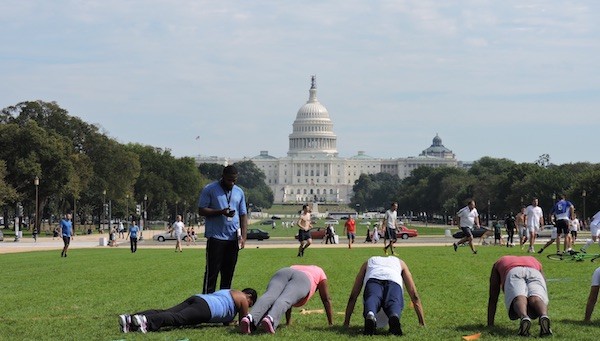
313,171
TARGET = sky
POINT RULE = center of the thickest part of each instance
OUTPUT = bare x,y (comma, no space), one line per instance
508,79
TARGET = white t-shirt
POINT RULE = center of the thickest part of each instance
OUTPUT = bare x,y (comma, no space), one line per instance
533,213
178,227
574,225
390,218
596,219
385,269
596,278
467,217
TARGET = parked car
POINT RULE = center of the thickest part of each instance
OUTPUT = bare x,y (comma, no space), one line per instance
267,222
316,233
545,231
1,236
275,217
257,234
476,233
161,237
404,232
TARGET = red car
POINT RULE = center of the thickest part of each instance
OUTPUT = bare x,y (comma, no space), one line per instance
316,233
402,232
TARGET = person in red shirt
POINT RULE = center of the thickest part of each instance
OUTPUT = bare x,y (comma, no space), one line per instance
350,230
525,292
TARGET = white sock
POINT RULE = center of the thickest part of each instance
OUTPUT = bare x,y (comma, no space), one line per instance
588,242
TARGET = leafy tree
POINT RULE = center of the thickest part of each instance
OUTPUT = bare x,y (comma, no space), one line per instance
252,180
211,171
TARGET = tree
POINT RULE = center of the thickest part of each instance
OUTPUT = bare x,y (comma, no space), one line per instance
252,180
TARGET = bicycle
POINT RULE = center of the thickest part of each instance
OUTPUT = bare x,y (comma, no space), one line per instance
575,256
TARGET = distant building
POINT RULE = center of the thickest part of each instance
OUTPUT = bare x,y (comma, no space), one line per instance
312,169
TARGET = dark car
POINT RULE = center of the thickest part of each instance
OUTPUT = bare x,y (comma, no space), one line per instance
476,233
275,217
316,233
257,234
267,222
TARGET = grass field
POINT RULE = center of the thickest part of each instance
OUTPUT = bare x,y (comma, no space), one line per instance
46,297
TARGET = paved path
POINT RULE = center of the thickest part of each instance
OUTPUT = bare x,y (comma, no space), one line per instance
93,241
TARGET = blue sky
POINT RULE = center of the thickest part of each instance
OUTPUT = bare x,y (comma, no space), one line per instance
512,79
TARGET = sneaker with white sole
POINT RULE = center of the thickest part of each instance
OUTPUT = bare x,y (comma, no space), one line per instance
267,324
245,325
524,326
141,323
395,327
545,326
125,322
370,323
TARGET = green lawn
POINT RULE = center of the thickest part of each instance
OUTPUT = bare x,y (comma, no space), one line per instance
46,297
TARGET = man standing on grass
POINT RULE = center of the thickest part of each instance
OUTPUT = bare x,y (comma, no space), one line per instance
534,218
224,206
178,228
390,225
562,213
66,231
468,217
350,230
525,292
595,230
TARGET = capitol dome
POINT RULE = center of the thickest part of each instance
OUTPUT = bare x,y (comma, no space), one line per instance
437,149
312,131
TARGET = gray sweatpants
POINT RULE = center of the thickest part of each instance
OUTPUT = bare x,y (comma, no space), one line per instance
286,288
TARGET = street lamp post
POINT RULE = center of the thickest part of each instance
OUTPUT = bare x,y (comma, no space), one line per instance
127,208
103,210
145,212
489,213
36,182
584,194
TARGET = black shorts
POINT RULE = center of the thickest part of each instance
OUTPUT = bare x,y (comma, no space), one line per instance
66,240
467,231
574,234
562,227
303,235
390,234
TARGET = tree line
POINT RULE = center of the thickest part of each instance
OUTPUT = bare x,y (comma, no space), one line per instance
80,168
499,186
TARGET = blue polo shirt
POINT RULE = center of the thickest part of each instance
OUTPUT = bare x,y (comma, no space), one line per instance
66,227
562,209
215,197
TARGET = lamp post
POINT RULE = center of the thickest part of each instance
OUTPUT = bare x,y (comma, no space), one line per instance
583,194
127,208
489,221
185,211
36,182
103,209
145,211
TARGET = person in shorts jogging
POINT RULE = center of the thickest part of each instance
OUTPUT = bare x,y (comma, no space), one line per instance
534,218
304,223
595,230
467,217
350,230
562,213
390,225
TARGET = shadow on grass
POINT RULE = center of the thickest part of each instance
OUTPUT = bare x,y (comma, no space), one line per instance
578,323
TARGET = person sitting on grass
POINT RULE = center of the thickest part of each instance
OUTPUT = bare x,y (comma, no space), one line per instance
593,296
292,286
525,292
382,278
218,307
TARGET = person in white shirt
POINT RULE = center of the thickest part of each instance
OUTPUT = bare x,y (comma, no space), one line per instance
468,217
534,218
177,229
595,230
389,224
573,228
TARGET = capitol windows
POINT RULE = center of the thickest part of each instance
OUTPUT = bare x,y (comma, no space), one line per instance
318,191
298,191
331,191
312,172
306,172
305,191
298,173
311,192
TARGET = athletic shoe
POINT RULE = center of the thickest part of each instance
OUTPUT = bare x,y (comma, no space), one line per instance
541,250
582,250
455,247
395,327
475,252
124,322
245,325
370,324
141,323
267,324
524,326
545,326
299,254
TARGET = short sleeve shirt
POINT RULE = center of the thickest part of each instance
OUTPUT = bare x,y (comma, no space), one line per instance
467,217
533,213
315,274
390,219
215,197
67,228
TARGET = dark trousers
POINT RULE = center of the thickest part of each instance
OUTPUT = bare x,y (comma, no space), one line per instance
192,311
383,294
133,241
511,234
221,257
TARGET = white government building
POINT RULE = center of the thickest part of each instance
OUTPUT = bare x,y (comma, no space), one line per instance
312,171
